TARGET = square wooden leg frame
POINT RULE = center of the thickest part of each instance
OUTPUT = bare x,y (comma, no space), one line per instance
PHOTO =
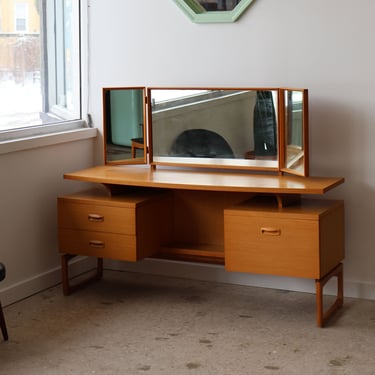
321,316
67,287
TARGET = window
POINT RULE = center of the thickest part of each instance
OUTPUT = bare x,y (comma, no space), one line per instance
40,75
20,20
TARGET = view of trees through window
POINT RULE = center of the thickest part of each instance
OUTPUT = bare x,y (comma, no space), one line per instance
38,62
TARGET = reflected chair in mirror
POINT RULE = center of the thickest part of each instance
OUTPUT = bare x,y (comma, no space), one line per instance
137,143
2,319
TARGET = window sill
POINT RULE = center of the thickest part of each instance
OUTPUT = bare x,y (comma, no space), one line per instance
46,137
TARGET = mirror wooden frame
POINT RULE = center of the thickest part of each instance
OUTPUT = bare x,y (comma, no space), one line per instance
198,14
227,97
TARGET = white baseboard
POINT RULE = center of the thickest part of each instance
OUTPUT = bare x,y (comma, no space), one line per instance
215,273
194,271
37,283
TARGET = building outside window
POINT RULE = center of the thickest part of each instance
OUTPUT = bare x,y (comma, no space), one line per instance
20,20
39,63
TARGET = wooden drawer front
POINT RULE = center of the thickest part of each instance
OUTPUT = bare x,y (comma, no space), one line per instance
260,244
95,217
98,244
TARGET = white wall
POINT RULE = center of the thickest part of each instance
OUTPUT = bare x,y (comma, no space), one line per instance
325,46
31,180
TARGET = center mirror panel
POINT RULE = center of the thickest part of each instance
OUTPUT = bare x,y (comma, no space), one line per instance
124,125
222,128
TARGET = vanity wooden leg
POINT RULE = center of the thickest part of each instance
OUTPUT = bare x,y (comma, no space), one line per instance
321,315
67,287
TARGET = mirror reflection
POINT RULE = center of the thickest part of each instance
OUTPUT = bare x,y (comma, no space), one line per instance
219,5
294,130
124,125
226,127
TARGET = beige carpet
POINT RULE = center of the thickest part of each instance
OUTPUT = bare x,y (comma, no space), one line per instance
140,324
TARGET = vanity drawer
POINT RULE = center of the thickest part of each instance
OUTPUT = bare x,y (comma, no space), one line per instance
98,244
96,217
128,226
271,246
302,241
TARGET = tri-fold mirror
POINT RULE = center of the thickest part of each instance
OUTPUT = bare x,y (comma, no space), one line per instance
260,129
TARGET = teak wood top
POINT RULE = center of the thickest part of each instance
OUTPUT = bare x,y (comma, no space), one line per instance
145,176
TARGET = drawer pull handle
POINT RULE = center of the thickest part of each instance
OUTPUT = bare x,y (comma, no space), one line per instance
96,218
96,244
270,231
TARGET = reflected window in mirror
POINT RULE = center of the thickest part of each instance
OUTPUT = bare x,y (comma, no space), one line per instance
124,125
295,130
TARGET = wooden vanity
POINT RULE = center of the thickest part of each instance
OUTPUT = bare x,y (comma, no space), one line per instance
247,222
218,176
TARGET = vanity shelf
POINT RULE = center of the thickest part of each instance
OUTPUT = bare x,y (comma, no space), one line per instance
193,253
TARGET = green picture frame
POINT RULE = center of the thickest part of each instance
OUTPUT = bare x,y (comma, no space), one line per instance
198,14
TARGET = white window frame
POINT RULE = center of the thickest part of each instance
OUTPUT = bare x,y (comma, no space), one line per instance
63,131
